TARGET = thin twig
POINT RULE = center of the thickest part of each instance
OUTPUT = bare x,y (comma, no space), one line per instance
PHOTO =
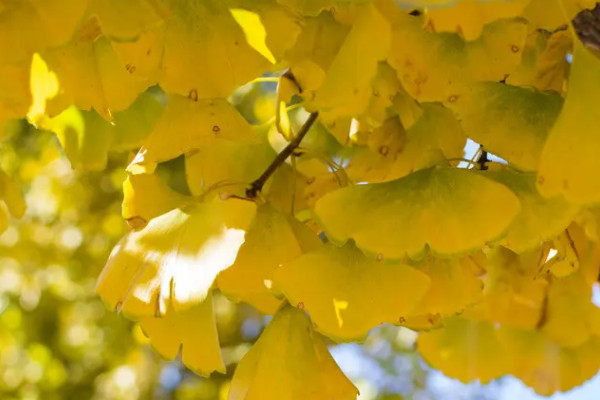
257,185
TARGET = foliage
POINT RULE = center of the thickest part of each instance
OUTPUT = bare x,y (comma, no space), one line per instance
337,202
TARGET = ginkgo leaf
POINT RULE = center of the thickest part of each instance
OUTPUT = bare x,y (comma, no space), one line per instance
15,95
540,218
546,366
84,135
385,86
187,124
396,152
314,7
434,67
175,259
209,59
87,138
141,16
146,196
570,304
544,66
511,122
468,17
43,86
289,361
347,80
450,210
232,164
454,287
514,294
272,239
346,293
33,25
91,75
193,332
569,162
465,350
551,15
315,50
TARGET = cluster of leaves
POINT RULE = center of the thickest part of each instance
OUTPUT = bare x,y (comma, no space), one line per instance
375,218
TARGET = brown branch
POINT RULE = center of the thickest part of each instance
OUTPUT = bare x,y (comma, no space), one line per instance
257,185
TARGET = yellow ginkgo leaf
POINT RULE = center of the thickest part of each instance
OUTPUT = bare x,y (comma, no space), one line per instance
43,85
570,305
347,80
174,260
468,17
540,218
450,210
91,75
140,16
209,59
230,165
146,196
314,7
569,162
511,122
187,124
395,152
514,293
385,86
546,366
289,361
30,26
15,94
553,14
544,66
454,287
346,293
272,239
193,331
465,350
315,50
434,67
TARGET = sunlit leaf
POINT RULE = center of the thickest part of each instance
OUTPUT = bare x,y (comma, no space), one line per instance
289,362
347,293
175,259
193,331
450,210
273,238
568,163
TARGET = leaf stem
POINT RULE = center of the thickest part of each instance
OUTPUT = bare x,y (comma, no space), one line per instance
257,185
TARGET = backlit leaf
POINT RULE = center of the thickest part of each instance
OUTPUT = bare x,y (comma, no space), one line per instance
347,293
450,210
289,362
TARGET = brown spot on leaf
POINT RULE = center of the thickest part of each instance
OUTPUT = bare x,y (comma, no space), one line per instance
193,95
384,150
216,128
300,306
136,222
515,49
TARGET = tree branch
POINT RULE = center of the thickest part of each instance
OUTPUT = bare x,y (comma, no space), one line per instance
257,185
